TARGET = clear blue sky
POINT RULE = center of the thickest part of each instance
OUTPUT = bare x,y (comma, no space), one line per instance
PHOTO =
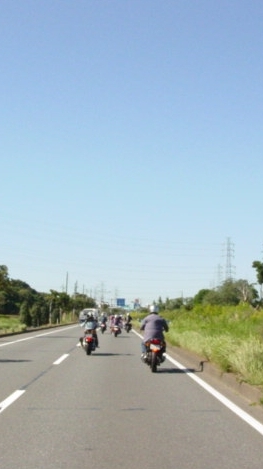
131,137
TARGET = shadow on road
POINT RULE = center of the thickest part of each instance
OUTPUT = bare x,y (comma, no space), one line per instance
14,361
178,370
105,354
54,337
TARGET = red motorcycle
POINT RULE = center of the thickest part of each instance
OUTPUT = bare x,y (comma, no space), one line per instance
88,343
155,349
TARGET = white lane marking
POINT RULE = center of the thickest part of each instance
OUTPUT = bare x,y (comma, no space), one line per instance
35,336
9,400
59,360
220,397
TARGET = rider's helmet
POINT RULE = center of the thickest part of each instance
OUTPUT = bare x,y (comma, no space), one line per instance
154,309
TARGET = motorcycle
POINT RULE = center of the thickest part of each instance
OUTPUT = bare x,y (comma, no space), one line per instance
116,330
155,349
88,343
103,327
128,326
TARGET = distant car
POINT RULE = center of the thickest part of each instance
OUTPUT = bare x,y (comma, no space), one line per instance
84,313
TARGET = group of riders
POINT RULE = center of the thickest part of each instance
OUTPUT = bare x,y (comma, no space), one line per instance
153,326
92,323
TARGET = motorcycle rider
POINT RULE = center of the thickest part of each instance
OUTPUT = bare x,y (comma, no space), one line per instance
91,323
116,322
128,322
153,326
103,320
128,318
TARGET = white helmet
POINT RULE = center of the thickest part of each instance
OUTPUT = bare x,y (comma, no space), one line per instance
154,309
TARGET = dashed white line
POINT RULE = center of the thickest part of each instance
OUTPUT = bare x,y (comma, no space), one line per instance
9,400
15,395
59,360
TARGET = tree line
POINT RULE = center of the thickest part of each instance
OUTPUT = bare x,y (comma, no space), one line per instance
230,292
37,308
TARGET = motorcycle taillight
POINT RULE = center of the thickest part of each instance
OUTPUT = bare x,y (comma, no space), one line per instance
156,341
88,339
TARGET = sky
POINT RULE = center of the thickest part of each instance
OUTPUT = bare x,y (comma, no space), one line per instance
131,137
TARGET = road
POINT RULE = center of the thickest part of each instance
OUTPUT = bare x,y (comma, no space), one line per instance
62,409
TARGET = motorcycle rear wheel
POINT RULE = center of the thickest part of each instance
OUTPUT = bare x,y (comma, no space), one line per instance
88,351
153,362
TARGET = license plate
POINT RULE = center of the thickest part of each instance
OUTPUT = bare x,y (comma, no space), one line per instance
89,338
155,347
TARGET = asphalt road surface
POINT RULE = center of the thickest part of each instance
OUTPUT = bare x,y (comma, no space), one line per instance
60,408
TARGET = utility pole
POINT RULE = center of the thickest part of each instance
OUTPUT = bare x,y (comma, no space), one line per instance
67,282
76,288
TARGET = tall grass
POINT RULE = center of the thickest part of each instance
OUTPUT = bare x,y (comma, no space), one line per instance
10,324
231,337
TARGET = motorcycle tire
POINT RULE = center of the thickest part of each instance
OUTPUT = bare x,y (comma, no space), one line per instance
153,362
89,349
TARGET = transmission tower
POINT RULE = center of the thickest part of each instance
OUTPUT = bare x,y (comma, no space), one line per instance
229,256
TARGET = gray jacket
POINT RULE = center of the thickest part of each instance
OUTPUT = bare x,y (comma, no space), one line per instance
153,327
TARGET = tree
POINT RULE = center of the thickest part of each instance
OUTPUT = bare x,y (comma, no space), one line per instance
175,303
25,316
199,297
4,283
259,268
229,293
3,276
35,313
160,304
246,292
81,301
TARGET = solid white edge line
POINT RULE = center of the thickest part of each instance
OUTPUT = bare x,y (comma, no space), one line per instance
220,397
9,400
59,360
